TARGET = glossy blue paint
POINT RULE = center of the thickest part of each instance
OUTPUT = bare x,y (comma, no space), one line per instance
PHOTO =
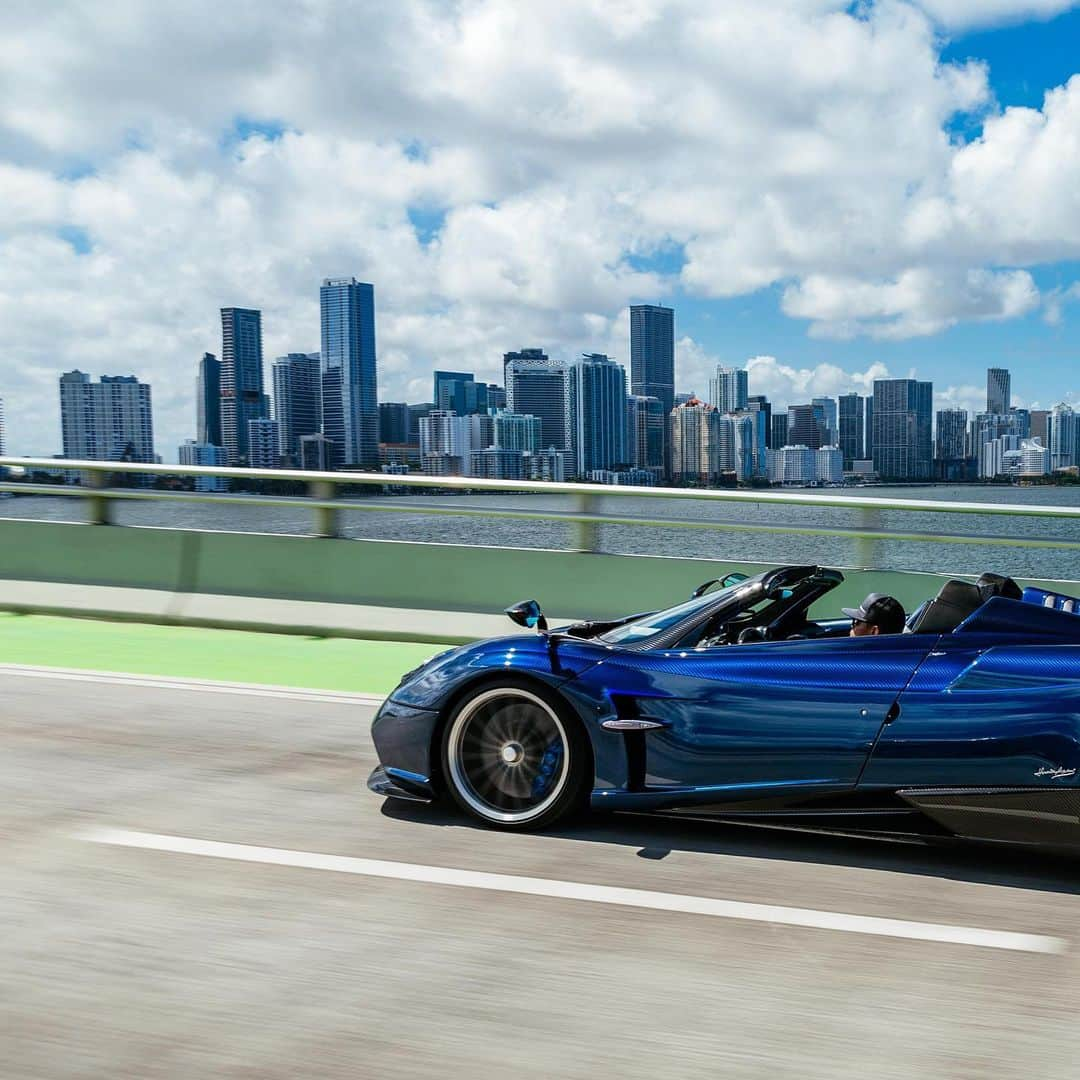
994,705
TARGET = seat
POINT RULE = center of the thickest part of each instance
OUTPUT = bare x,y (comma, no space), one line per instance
955,601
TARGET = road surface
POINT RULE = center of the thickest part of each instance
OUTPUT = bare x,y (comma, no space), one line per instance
188,955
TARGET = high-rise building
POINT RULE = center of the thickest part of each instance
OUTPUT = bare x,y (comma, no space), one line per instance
868,428
458,391
778,434
497,464
193,452
350,407
538,386
652,353
1039,426
110,420
825,408
535,355
729,389
208,401
828,465
695,443
297,401
514,431
950,442
600,414
903,423
316,453
986,431
760,403
416,413
393,422
806,426
998,390
242,396
645,424
851,429
264,444
1064,437
794,465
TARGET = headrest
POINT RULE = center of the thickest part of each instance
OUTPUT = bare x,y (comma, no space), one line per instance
991,584
955,601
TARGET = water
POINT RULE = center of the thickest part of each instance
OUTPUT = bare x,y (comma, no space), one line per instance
401,518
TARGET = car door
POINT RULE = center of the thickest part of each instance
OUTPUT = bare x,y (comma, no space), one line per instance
748,720
985,711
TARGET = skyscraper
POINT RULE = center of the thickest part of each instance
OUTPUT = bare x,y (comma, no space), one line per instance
950,444
826,410
1064,437
903,421
851,429
728,389
514,431
521,354
652,352
208,455
806,426
109,420
600,413
393,422
350,408
998,390
542,387
297,404
242,396
645,423
264,442
208,401
695,442
759,403
778,435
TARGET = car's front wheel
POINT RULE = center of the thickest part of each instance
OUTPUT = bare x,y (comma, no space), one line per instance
514,759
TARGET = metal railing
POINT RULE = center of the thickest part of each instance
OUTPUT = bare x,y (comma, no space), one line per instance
585,518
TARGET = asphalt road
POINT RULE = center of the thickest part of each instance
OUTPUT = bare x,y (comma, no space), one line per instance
128,962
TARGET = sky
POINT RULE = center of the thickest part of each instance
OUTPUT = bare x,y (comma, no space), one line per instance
828,192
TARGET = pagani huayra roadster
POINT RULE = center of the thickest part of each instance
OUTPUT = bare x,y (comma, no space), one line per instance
736,704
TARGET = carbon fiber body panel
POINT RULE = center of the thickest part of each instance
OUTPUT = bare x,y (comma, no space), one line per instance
1045,816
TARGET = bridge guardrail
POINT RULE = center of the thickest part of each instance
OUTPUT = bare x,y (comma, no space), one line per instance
585,518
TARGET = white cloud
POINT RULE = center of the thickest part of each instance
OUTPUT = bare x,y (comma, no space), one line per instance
554,148
968,14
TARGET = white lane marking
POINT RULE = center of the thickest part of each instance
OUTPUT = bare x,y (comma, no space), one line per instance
574,890
199,685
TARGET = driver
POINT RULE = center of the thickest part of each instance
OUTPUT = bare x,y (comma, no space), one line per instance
879,613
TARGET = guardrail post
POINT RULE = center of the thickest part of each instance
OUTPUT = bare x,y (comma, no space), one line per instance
98,505
586,534
326,517
867,548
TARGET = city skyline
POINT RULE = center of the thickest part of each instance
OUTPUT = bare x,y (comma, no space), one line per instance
935,239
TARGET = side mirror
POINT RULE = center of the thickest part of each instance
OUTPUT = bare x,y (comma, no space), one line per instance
527,613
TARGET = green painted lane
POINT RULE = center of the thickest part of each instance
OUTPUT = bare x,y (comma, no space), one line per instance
348,664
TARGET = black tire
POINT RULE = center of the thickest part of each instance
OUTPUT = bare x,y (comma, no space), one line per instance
514,757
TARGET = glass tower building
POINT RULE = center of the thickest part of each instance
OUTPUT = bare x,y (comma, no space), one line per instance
242,395
600,415
729,389
297,394
350,407
652,353
851,428
208,401
903,421
998,390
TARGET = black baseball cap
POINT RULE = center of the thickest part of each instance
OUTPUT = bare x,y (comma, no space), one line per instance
878,609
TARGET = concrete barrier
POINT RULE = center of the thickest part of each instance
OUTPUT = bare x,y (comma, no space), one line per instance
363,588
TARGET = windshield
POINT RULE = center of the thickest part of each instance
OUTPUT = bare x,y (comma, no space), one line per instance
653,624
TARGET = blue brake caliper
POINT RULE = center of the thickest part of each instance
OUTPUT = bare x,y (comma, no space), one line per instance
549,766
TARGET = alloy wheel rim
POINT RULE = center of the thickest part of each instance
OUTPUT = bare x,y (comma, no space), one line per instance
508,755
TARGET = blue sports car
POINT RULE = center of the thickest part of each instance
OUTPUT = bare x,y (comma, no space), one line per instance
737,704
